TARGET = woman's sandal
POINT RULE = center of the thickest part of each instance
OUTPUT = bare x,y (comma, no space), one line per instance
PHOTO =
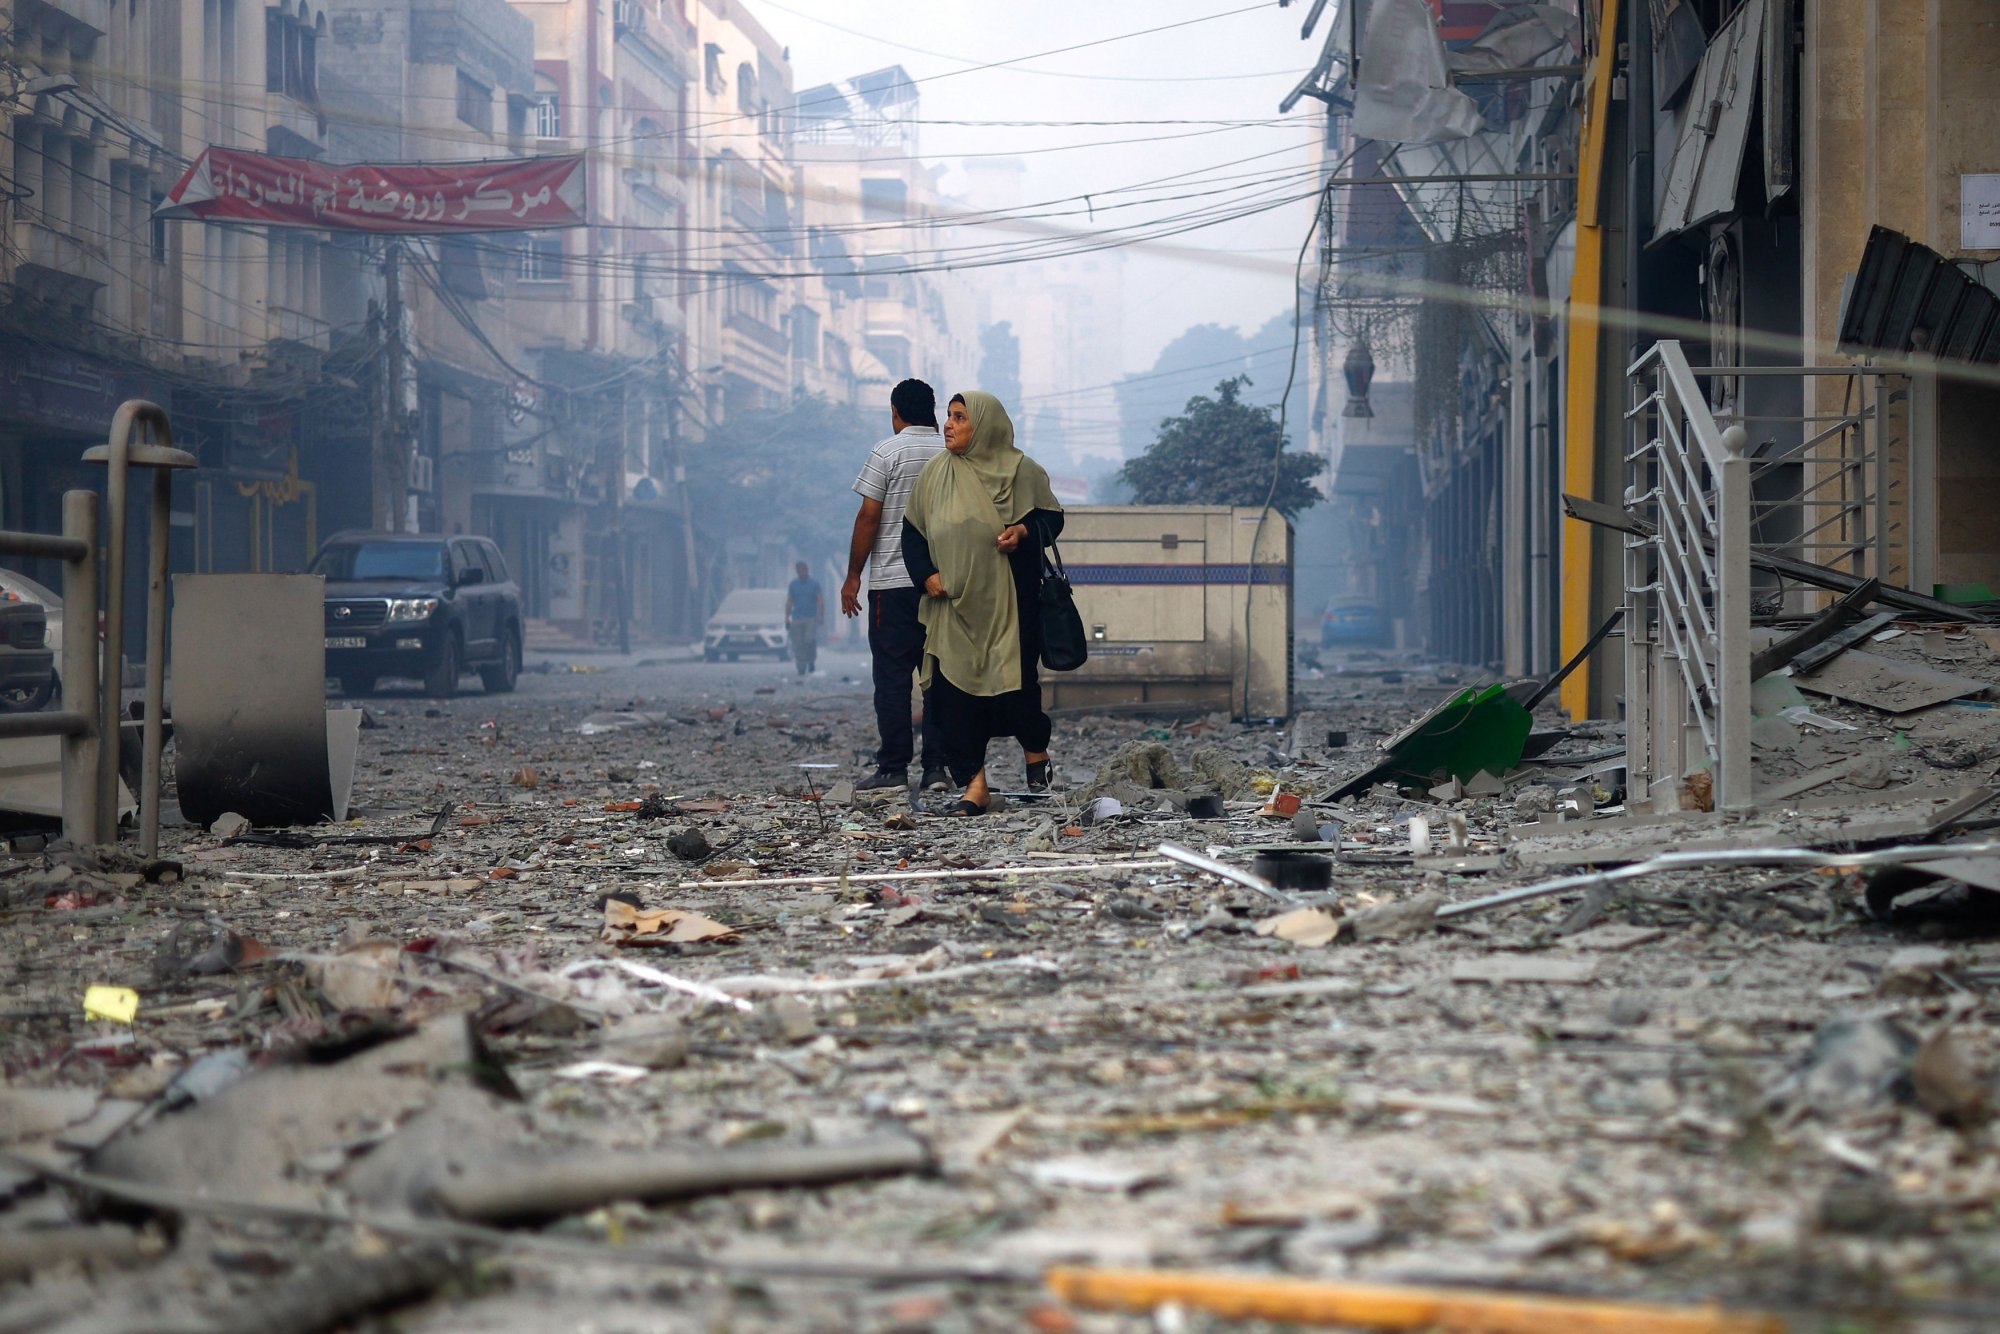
967,808
1039,774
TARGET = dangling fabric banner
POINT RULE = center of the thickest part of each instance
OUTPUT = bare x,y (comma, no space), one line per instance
230,185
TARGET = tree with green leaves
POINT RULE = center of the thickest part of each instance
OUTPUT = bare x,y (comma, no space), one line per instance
1220,451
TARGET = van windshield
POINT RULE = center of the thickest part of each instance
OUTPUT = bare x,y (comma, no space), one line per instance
351,562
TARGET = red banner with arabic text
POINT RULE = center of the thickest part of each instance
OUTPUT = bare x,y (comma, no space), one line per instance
502,195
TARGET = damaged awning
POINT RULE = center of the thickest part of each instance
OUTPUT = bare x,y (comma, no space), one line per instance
1708,158
1907,298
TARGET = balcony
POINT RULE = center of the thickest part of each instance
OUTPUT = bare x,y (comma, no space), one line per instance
758,332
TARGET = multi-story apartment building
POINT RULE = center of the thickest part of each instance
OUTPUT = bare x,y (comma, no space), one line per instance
545,388
103,106
875,218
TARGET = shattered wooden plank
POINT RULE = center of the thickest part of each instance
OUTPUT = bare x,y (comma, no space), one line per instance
1381,1307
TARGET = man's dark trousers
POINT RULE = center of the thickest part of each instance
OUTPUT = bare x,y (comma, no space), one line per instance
896,642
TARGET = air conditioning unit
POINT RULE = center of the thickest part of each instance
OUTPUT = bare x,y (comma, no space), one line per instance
423,473
628,16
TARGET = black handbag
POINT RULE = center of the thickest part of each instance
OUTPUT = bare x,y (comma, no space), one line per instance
1064,649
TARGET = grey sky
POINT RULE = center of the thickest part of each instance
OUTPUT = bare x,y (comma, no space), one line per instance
1234,273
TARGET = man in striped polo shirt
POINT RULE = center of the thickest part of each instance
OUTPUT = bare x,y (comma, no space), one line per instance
895,638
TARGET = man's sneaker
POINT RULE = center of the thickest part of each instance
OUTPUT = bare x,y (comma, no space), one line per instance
882,778
937,780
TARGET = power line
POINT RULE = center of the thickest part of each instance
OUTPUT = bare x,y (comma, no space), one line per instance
1050,73
796,107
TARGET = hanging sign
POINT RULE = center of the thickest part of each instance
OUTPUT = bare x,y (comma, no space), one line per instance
230,185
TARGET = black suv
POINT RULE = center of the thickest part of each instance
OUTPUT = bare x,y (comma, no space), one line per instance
403,604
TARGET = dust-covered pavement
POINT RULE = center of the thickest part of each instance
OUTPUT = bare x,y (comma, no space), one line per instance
1719,1086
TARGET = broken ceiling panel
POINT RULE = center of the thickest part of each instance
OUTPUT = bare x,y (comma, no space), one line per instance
1907,297
1708,159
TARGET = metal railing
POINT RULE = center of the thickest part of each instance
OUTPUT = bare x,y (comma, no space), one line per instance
77,722
91,664
1799,466
1830,459
1688,593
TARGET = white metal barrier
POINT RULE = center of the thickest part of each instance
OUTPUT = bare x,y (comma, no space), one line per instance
1688,593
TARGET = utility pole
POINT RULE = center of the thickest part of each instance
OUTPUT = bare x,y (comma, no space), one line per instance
388,433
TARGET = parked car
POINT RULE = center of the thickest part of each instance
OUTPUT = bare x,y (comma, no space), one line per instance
419,605
27,664
750,620
1350,620
17,587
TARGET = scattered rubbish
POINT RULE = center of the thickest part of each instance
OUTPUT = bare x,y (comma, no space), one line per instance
1420,835
1498,968
653,976
1887,684
627,925
119,1005
688,843
599,724
1915,970
522,1186
366,975
1100,810
1369,1306
1853,1065
1205,805
1472,730
1247,879
1090,1174
1308,927
1395,920
229,825
1534,801
602,1072
207,1077
1282,805
1286,868
1699,859
1946,1085
652,1041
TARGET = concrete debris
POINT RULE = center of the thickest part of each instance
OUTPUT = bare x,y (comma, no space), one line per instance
1571,1047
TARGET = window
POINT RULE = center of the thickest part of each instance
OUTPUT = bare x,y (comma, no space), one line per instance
291,46
159,230
805,335
712,67
545,109
884,200
643,173
746,89
542,258
475,103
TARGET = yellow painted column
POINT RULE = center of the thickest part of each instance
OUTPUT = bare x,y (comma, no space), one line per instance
1586,341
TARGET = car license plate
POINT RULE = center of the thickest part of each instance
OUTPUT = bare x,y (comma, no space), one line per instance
346,641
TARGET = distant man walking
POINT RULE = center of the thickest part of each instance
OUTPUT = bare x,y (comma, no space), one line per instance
895,638
805,608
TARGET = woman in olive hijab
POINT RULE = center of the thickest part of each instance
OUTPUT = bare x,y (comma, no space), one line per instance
979,516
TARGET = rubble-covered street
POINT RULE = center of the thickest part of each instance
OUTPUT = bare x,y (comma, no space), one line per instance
591,954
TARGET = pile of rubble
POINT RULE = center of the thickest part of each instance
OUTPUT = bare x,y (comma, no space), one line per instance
632,1009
